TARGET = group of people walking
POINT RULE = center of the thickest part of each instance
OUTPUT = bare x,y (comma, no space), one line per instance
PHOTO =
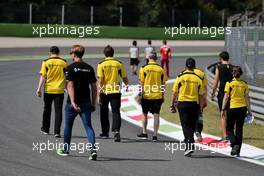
134,56
86,89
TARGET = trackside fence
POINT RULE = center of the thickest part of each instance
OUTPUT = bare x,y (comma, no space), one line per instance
256,94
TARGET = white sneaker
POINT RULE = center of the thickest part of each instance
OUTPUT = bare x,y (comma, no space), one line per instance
188,152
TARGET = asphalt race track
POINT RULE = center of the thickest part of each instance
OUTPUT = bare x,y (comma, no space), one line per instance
21,114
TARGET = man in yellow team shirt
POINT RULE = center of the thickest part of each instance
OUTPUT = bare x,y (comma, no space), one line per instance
199,123
109,72
188,93
52,74
152,79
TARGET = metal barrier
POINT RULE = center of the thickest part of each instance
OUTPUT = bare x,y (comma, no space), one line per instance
256,94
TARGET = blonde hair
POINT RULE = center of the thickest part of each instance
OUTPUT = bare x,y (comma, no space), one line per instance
78,50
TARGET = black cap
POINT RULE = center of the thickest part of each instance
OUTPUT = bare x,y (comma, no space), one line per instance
190,63
54,50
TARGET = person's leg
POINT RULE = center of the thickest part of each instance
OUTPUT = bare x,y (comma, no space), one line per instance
104,114
70,115
58,102
185,122
86,119
155,110
48,98
223,125
144,120
132,65
230,126
115,102
135,69
131,68
199,123
220,98
156,124
239,126
199,127
136,65
193,118
162,63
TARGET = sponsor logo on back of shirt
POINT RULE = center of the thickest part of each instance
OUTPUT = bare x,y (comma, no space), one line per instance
81,70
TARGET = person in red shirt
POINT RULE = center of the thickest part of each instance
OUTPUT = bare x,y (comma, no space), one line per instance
165,52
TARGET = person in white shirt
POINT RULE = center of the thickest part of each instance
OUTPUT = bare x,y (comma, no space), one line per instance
148,50
134,57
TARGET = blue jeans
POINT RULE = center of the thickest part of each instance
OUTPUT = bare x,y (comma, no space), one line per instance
85,115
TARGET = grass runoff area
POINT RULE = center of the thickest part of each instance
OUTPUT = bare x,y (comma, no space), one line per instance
252,132
75,31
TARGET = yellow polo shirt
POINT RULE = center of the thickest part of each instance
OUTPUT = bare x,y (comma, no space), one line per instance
153,78
189,86
110,70
237,89
53,70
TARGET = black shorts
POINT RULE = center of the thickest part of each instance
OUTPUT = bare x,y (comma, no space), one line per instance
134,61
152,106
220,98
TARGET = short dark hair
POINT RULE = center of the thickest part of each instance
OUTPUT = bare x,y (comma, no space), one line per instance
224,55
190,63
78,50
237,71
149,42
54,50
109,51
134,43
164,42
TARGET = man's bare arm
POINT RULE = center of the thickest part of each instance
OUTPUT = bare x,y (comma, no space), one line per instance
94,94
40,84
215,83
70,89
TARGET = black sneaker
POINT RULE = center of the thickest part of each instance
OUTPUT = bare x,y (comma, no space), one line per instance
104,136
44,132
93,156
117,137
234,150
57,136
142,136
154,139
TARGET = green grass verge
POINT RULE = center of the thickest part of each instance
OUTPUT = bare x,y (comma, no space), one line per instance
26,30
99,56
252,132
